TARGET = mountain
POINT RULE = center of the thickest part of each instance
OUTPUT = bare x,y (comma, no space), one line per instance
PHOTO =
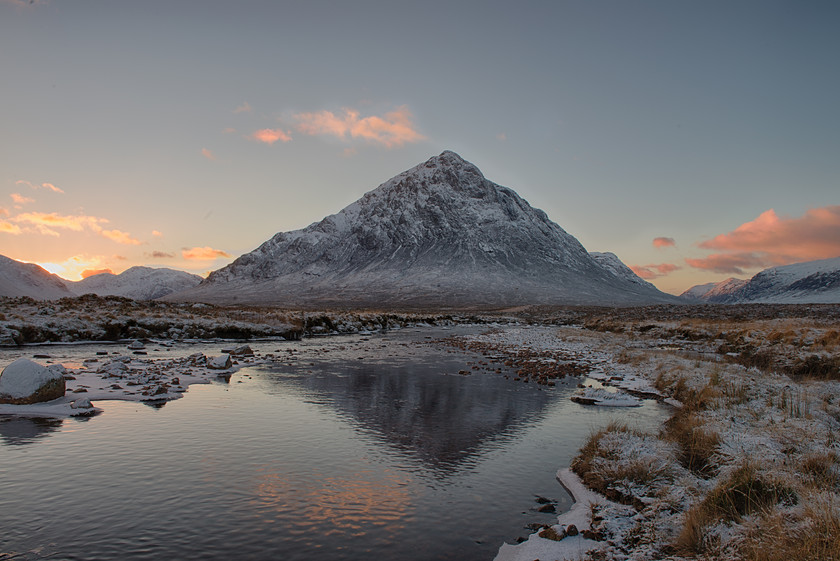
28,279
437,235
813,282
713,291
138,283
616,266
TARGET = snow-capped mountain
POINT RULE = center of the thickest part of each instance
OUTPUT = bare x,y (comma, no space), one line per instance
612,263
439,234
813,282
713,291
138,283
28,279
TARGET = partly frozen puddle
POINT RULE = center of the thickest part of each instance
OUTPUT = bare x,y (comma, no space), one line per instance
346,448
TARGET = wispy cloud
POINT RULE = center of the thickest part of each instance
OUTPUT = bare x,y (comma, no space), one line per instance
48,186
734,263
771,240
664,242
208,154
654,271
20,199
203,253
49,224
270,136
9,228
244,108
160,255
391,130
4,211
46,223
120,237
156,234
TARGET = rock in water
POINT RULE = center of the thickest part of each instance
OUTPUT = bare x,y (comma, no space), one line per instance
221,362
24,382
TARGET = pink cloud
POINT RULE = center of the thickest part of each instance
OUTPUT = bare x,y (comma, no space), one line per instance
160,255
244,108
31,185
654,271
393,129
664,242
120,237
4,212
208,154
270,136
771,240
20,199
203,253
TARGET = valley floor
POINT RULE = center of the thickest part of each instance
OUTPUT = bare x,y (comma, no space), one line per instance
748,466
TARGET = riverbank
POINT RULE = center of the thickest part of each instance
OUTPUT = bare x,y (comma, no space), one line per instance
746,468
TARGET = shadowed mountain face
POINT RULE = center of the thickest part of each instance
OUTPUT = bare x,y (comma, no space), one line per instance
30,280
439,234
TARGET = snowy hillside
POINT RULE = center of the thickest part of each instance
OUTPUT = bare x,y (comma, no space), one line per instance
813,282
714,291
28,279
138,283
439,234
612,263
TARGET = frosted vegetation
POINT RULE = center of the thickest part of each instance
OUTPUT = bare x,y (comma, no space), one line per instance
747,467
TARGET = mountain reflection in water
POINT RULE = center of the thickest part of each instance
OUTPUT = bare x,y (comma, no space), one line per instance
423,407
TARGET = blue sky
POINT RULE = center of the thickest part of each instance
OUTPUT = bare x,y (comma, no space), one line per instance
183,134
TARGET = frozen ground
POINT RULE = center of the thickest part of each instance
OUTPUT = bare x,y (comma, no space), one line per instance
747,468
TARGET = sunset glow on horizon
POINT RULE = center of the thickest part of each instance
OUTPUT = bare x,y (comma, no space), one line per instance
695,141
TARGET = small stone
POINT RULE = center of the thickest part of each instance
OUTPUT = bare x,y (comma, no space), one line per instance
571,530
547,508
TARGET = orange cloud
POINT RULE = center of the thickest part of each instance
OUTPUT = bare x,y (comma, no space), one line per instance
4,212
90,272
771,240
9,228
393,129
270,136
663,242
204,253
20,199
120,237
157,234
208,154
45,222
652,271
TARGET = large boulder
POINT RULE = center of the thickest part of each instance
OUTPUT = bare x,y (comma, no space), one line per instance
221,362
24,382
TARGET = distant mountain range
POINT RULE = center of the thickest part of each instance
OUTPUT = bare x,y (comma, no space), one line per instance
138,283
437,235
814,282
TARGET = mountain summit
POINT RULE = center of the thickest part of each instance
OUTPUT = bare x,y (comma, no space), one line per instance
439,234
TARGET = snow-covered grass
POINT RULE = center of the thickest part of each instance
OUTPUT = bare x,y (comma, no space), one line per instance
111,318
748,466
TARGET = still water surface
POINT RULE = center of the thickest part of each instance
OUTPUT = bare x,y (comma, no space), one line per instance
346,449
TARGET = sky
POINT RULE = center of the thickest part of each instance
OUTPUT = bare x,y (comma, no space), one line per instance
696,140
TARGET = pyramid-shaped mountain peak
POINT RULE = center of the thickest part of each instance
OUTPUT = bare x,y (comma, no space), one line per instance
437,235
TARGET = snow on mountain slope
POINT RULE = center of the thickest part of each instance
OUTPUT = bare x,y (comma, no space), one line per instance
616,266
439,234
813,282
138,283
28,279
713,291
